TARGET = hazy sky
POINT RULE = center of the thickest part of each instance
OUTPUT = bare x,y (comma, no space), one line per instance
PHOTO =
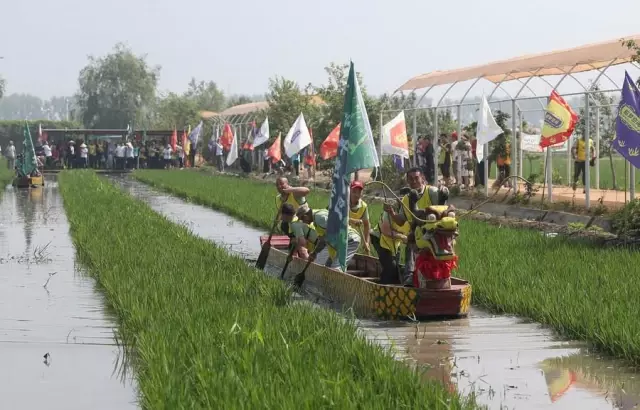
240,43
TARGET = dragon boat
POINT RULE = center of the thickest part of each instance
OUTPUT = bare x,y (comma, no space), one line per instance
435,294
28,169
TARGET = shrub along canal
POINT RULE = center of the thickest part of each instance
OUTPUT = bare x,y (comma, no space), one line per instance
50,308
507,361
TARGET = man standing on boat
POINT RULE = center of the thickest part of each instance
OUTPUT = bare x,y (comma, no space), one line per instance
296,196
11,155
386,239
421,197
359,214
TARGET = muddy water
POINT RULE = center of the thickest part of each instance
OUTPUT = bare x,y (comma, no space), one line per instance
65,318
507,362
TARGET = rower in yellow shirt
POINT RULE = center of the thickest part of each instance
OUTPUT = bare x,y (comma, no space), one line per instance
359,214
296,196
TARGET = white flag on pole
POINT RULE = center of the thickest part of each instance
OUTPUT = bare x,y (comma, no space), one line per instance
263,134
232,156
297,138
487,129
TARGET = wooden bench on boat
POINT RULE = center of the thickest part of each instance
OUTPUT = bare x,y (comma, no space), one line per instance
360,289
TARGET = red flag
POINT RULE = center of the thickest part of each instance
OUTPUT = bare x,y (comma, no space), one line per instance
329,147
184,138
227,137
275,151
174,139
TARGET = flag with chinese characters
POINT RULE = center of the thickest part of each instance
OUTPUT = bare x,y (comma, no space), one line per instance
627,140
356,150
559,121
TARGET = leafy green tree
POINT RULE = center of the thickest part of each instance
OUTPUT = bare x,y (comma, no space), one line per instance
114,89
234,100
206,95
286,101
173,110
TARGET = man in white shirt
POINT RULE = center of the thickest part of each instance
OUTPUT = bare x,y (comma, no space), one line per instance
219,155
47,155
120,156
180,153
166,156
128,152
84,154
11,155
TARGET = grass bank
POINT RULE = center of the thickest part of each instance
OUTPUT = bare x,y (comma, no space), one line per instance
580,290
6,174
207,331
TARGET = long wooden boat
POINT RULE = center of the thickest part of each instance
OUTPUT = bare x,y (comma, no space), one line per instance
28,182
360,289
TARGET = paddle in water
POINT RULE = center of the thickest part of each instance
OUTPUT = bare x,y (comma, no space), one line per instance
266,247
289,258
300,277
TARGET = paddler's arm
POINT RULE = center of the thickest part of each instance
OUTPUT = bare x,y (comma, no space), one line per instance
320,245
385,229
298,190
398,218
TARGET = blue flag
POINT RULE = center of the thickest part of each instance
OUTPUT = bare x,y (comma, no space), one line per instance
356,150
627,141
195,134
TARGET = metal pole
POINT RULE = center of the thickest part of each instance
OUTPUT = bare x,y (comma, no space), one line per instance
587,154
568,160
436,146
414,140
549,176
514,145
459,115
380,146
521,155
597,147
486,170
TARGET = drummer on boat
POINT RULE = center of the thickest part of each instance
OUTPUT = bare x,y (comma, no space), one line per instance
426,197
296,196
359,214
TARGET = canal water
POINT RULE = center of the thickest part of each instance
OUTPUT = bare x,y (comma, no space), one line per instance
48,307
507,362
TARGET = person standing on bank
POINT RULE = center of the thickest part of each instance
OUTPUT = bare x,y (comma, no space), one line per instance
579,155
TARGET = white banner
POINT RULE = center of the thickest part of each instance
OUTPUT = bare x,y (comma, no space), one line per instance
394,137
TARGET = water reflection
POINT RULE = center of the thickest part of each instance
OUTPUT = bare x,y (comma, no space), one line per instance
64,320
498,358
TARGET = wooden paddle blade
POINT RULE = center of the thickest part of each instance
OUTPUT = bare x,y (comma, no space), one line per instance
264,255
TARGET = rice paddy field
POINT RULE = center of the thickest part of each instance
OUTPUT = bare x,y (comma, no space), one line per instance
580,290
559,165
202,329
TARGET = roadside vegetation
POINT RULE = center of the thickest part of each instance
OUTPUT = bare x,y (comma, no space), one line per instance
205,330
583,291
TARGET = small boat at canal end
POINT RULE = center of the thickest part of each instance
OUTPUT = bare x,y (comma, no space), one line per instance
28,170
360,289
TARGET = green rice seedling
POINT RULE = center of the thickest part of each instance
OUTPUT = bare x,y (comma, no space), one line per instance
581,290
204,330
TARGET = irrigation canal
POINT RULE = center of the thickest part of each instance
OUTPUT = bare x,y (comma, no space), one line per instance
65,320
508,362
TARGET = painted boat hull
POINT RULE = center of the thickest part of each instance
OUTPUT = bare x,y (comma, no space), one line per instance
28,182
358,288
